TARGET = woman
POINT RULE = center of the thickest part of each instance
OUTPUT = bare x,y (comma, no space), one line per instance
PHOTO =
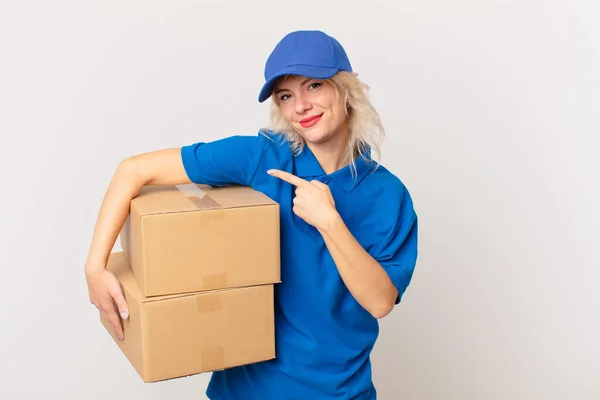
348,227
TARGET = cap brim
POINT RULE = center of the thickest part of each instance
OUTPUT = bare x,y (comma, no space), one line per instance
302,70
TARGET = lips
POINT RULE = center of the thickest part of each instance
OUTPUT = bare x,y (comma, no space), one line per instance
310,121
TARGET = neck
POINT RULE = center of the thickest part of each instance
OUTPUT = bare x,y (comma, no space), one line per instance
333,153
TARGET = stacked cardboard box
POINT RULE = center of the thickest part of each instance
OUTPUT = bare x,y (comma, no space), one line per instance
198,270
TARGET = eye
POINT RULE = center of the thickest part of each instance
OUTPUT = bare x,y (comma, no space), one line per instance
314,85
284,97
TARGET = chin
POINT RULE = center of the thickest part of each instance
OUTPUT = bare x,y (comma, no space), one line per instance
315,136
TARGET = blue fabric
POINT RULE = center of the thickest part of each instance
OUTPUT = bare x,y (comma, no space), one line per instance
312,54
323,336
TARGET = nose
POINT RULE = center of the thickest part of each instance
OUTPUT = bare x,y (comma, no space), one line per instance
302,104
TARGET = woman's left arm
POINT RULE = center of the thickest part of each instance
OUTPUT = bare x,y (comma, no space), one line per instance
364,277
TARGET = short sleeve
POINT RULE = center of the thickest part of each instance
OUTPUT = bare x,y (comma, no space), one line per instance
228,161
397,253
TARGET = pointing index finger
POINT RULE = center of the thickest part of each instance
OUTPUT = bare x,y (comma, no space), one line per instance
286,176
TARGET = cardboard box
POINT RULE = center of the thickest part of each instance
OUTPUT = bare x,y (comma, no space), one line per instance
189,238
173,336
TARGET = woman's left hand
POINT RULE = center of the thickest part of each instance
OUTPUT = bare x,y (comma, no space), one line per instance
313,201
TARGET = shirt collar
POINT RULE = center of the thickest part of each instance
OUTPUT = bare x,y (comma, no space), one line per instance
307,167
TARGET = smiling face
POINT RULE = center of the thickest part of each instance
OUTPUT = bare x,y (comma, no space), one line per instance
312,108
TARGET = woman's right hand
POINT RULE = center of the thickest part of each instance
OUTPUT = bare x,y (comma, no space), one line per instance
161,167
107,295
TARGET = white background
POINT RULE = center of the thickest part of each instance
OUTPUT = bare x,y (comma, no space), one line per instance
493,123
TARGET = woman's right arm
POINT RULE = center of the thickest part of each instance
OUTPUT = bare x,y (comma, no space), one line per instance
162,167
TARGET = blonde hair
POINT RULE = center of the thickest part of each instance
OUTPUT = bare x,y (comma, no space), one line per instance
366,129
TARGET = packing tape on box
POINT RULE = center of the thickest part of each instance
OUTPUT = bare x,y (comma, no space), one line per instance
213,358
198,197
217,281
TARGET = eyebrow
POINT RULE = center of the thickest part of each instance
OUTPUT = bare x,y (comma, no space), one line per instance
301,84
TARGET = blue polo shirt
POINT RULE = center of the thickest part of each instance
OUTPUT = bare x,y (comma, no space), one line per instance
323,335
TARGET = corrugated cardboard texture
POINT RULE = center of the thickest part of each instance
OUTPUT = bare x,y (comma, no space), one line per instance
180,243
172,336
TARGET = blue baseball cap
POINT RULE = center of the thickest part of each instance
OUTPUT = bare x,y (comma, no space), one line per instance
313,54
